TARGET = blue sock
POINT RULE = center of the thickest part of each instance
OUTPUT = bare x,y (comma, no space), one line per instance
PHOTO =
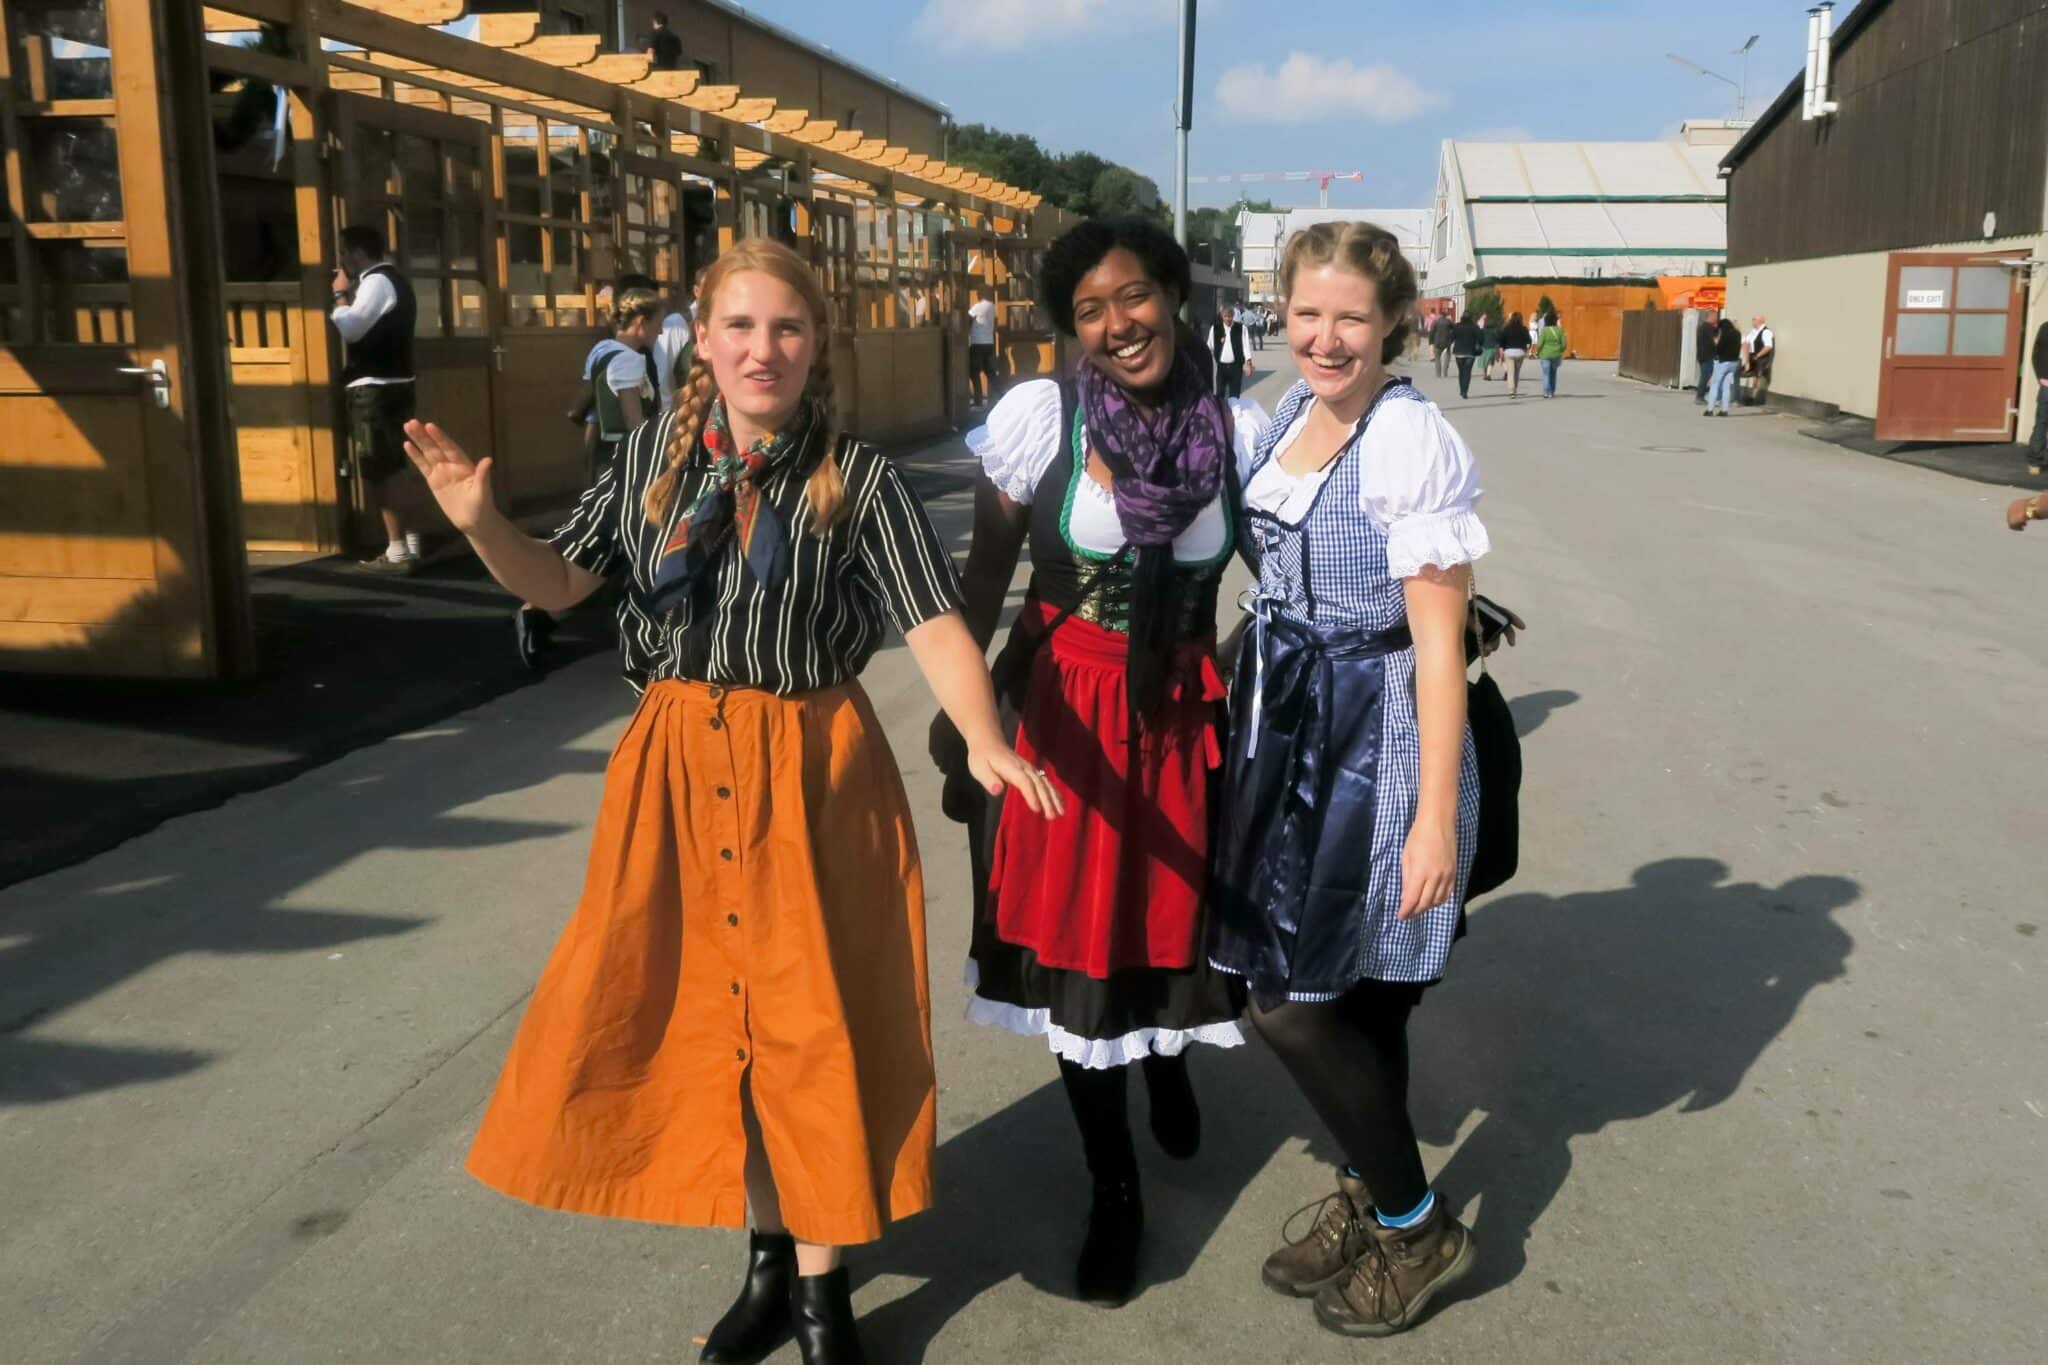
1410,1218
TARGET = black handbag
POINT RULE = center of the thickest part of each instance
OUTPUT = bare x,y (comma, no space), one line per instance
1498,750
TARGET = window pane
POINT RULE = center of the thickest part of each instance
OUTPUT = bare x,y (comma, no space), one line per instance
1979,334
565,279
1926,286
74,170
419,166
1983,286
522,179
525,287
470,317
1923,334
77,31
465,175
371,156
424,246
429,294
464,248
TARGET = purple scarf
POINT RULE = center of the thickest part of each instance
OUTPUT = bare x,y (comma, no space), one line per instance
1167,465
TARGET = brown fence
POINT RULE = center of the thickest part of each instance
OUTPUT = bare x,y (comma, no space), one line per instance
1651,340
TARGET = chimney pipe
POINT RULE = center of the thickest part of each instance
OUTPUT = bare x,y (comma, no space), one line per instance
1824,58
1812,62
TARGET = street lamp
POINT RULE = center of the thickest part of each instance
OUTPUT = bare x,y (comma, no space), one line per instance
1742,92
1695,66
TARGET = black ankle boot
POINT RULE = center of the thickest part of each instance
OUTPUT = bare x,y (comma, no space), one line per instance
822,1307
1107,1272
758,1320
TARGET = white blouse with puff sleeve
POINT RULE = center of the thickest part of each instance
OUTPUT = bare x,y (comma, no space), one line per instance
1022,439
1417,482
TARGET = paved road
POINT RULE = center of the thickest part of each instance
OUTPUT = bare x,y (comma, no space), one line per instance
1750,1063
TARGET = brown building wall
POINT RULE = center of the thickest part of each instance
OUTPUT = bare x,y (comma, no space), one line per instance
1940,122
767,66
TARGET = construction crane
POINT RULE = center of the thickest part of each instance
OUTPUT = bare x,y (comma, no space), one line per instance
1322,179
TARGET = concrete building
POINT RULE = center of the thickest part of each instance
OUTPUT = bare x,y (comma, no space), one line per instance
1898,239
1264,237
1591,225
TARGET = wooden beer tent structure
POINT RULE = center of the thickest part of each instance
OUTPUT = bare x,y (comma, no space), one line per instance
174,179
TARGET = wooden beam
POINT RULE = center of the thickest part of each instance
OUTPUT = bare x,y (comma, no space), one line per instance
560,49
817,132
669,85
891,157
263,66
418,11
711,99
620,68
749,111
221,21
785,122
507,30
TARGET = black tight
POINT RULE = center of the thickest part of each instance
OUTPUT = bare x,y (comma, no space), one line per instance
1103,1116
1350,1058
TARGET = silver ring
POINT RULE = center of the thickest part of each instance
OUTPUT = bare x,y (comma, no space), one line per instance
1040,772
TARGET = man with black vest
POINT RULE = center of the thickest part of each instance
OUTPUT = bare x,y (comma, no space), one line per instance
374,312
1226,345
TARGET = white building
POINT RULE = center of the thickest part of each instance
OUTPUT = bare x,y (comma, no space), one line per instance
1264,237
1577,211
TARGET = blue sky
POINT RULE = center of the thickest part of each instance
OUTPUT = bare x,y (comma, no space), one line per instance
1347,85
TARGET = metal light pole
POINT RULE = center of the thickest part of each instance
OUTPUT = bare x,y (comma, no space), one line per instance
1695,66
1742,92
1183,120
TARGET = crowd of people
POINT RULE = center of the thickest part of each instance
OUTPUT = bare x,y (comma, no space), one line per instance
1496,349
733,1029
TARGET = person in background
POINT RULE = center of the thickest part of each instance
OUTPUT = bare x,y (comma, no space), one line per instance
1551,348
622,396
981,351
675,346
1703,351
1727,361
1759,348
1489,344
662,44
1464,350
1226,345
374,311
2037,447
1440,342
1514,345
1255,323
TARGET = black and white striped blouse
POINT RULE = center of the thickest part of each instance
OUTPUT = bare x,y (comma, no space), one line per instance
819,629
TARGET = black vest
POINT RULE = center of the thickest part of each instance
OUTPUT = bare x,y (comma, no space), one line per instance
385,351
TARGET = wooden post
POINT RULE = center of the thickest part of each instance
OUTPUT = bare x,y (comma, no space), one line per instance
165,129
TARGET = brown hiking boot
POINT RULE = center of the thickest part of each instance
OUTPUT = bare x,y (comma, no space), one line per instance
1387,1288
1336,1239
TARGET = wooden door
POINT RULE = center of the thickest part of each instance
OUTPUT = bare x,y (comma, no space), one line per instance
1951,357
832,250
120,545
421,177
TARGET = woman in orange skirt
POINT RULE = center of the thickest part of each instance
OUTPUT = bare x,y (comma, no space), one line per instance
736,1020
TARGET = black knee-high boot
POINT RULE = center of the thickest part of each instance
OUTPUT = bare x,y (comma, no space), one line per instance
1176,1118
1107,1271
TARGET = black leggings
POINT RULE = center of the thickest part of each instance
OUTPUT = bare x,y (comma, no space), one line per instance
1350,1058
1103,1114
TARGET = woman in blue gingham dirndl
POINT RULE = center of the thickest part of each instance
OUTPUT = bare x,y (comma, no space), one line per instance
1325,752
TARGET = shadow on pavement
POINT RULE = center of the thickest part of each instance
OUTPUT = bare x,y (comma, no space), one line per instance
1559,1016
348,658
1531,709
59,947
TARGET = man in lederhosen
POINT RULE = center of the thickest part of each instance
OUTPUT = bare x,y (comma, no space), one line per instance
374,311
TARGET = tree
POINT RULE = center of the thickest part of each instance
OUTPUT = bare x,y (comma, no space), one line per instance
1079,182
1117,190
1484,300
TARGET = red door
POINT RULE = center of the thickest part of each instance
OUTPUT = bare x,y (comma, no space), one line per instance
1951,348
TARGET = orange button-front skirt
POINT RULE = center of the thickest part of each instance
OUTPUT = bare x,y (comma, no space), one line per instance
753,913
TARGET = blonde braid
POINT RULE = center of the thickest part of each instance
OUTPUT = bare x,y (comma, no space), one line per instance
826,490
693,404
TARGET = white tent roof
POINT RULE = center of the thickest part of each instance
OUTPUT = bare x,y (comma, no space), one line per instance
1579,208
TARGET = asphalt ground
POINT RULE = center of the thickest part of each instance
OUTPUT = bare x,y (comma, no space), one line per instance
1750,1062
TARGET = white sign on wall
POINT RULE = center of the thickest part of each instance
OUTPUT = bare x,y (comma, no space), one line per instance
1926,298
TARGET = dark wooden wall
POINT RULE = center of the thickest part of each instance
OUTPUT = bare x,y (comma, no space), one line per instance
1943,118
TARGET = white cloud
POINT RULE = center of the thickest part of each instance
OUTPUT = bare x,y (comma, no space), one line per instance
1309,89
1025,25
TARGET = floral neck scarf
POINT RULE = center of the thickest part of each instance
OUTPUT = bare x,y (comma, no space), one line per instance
730,504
